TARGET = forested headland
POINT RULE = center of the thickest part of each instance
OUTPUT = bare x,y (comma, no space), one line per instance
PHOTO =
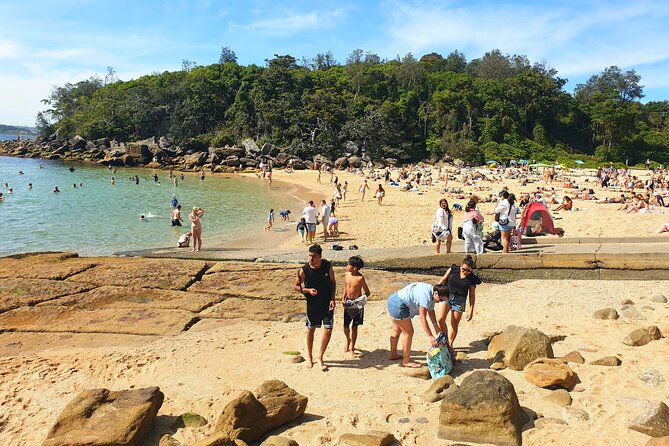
497,107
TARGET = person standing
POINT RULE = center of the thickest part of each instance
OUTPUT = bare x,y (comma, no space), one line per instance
175,202
415,299
311,217
354,298
196,227
473,218
380,193
461,282
325,218
320,288
364,187
442,226
176,216
506,217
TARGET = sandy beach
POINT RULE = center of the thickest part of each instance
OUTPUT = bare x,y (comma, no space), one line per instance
238,340
405,218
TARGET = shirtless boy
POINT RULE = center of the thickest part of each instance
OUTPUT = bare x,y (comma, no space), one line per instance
354,290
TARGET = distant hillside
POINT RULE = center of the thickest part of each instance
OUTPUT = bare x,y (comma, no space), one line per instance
14,129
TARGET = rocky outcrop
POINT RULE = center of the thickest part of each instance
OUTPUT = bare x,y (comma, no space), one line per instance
609,361
484,409
437,389
520,346
276,440
249,416
103,417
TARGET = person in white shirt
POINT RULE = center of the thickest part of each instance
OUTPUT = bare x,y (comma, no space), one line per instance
505,215
325,219
311,217
442,225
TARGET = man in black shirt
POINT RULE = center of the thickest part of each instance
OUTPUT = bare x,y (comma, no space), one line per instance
319,289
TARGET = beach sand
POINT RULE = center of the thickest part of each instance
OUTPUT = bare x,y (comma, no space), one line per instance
204,368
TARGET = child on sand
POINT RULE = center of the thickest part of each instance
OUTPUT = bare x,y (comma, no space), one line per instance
354,299
270,220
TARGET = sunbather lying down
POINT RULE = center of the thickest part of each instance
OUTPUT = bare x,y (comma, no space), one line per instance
537,230
663,228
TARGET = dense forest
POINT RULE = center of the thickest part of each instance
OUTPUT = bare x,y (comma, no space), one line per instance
498,107
16,129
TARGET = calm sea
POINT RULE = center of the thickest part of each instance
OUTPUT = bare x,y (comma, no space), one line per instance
96,218
4,137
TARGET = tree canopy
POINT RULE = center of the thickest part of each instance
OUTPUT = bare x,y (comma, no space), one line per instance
496,107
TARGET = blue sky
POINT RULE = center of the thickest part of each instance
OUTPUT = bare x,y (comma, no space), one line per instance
48,43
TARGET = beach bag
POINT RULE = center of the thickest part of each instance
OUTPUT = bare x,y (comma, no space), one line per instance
461,236
440,358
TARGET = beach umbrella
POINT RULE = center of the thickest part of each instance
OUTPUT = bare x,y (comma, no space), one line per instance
579,162
492,162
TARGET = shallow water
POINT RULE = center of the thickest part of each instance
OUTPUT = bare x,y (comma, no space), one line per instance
96,218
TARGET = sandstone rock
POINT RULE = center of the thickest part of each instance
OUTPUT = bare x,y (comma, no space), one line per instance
642,336
269,149
77,142
275,440
610,361
662,441
626,302
659,298
105,417
653,421
195,159
520,346
371,438
248,418
542,422
355,161
484,409
190,419
437,388
420,373
545,372
341,162
251,147
560,397
606,314
632,313
574,357
321,159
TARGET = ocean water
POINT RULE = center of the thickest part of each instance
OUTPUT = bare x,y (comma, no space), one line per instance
4,137
96,218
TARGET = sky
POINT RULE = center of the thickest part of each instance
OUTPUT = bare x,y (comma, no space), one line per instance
44,44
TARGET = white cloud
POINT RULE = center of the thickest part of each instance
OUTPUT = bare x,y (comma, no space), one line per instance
574,38
295,23
8,50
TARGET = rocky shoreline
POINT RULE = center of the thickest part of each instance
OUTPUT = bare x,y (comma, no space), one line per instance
162,153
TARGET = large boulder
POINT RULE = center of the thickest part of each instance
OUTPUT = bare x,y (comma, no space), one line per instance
355,161
195,159
77,142
269,149
642,336
248,162
103,417
225,152
438,388
521,346
341,162
351,147
248,417
653,421
322,159
546,372
484,409
251,147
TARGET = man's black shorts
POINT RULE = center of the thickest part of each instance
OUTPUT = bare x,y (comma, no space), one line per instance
176,222
355,315
318,318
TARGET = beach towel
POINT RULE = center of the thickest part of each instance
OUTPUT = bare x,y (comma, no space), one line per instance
358,303
440,358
